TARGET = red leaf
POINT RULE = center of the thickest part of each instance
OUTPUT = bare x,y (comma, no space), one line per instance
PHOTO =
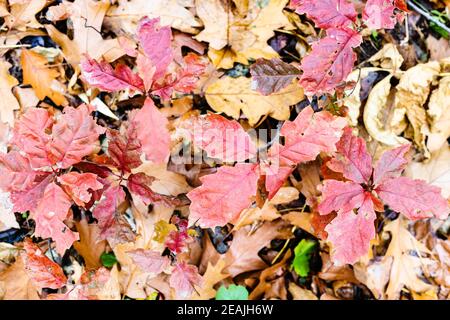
305,137
176,241
31,136
139,185
149,260
352,159
401,5
104,211
125,151
156,43
340,196
151,128
330,61
414,198
28,199
146,70
74,136
222,138
42,271
270,76
223,195
350,235
327,13
16,172
183,279
77,186
194,67
379,14
49,217
103,76
391,164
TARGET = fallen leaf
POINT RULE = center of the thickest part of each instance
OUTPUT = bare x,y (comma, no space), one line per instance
90,247
213,275
37,73
9,102
439,114
16,283
298,293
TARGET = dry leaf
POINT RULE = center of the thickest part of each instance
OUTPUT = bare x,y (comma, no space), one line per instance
23,14
42,78
405,267
212,276
16,283
90,247
8,103
231,95
439,113
435,171
299,293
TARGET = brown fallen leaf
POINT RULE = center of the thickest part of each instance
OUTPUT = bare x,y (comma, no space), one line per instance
299,293
8,103
87,19
22,14
439,113
16,283
439,49
213,275
405,269
231,95
41,77
375,275
89,246
242,255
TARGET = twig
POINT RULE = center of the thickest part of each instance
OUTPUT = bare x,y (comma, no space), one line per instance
13,46
427,15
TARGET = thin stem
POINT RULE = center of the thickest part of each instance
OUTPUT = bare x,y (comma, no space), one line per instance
427,15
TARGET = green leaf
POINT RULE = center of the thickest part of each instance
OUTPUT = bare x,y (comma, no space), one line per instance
302,255
108,259
233,292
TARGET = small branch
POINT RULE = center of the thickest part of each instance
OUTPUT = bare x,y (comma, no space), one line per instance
13,46
427,15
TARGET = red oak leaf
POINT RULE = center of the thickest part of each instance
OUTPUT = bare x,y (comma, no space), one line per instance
327,13
151,129
184,80
16,172
223,195
379,14
340,196
31,136
414,198
352,160
124,151
77,186
149,260
42,271
104,211
350,235
103,76
49,217
222,138
401,5
183,279
146,70
139,185
74,136
330,62
29,199
391,164
156,43
305,137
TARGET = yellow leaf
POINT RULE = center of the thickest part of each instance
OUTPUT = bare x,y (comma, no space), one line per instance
439,112
127,14
213,275
23,14
8,102
231,95
241,34
42,78
87,19
405,267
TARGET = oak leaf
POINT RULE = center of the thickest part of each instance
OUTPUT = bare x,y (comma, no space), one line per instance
77,186
49,216
327,13
330,61
9,102
270,76
223,195
37,73
42,271
231,95
90,247
379,14
183,279
150,261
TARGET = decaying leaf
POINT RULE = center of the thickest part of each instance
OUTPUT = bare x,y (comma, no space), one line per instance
9,103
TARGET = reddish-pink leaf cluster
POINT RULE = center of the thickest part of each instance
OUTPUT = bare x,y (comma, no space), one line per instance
157,71
365,189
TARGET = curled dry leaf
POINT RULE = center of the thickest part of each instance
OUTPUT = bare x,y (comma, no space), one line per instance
231,95
439,114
